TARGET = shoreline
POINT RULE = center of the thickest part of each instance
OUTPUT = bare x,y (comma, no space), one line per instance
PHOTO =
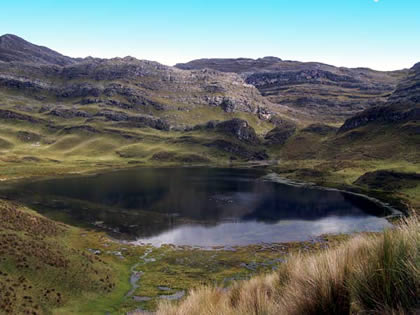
267,166
284,180
268,176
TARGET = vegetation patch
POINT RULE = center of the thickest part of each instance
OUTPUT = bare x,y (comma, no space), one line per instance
166,156
388,180
373,274
42,267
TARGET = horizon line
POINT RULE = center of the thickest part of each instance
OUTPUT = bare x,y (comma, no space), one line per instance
207,58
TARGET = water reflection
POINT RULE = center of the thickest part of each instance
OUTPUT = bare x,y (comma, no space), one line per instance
199,206
245,233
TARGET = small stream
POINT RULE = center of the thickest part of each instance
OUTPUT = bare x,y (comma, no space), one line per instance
136,275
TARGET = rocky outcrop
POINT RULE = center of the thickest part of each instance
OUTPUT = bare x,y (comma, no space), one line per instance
22,84
11,115
408,90
212,124
137,120
141,86
381,114
240,129
239,65
318,91
64,112
83,129
402,106
78,90
281,133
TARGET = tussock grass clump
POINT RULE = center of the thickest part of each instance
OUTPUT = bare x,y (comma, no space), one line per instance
390,280
373,274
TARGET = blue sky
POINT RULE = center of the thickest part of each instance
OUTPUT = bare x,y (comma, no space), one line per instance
383,34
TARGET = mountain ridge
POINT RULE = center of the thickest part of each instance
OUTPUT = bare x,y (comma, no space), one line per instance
204,110
305,92
310,88
16,49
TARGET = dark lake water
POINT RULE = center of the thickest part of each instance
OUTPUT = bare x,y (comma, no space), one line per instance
199,206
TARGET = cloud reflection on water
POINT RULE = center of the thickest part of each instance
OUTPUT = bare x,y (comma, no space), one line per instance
244,233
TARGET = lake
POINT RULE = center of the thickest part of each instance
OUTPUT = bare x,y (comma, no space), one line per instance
198,206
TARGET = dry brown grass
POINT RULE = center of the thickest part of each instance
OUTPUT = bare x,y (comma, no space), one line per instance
371,274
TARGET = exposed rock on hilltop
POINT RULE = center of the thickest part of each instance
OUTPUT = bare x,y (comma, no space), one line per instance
402,106
239,65
14,48
138,87
408,90
385,114
314,91
91,107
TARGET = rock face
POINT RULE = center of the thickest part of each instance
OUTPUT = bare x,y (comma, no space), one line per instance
402,106
64,112
240,129
11,115
384,114
237,128
138,121
408,90
315,91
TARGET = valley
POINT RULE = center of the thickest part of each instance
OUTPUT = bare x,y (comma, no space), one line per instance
308,123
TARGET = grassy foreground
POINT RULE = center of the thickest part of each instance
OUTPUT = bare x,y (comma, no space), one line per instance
373,274
48,267
51,268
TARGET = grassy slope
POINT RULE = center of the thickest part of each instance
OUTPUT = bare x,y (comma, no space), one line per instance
339,160
58,151
303,153
46,266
